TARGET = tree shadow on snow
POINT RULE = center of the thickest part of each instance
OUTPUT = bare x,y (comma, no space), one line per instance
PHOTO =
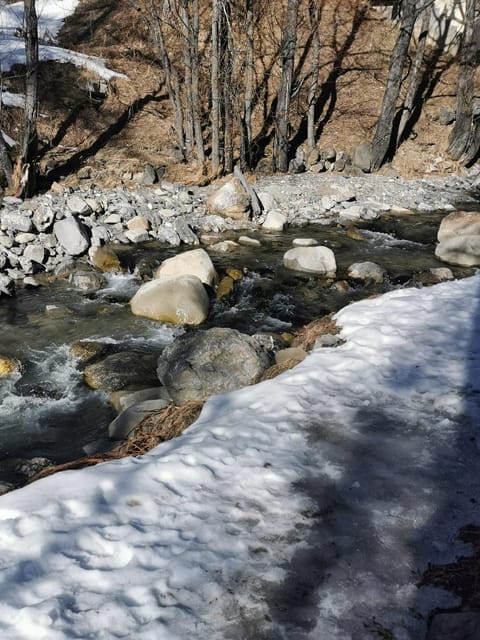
406,484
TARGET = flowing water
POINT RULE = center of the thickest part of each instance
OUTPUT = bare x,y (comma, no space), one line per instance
48,411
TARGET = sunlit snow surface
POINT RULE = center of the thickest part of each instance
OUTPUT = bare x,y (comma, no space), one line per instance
51,15
304,507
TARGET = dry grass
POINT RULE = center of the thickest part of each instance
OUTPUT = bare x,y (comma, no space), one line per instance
307,336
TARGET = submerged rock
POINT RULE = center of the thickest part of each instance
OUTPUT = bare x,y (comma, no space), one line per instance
367,271
121,370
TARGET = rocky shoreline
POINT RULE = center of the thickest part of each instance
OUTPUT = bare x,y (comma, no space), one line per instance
48,232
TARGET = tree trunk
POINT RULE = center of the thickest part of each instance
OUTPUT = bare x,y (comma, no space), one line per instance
5,161
246,129
29,142
313,88
172,80
289,44
187,76
409,102
215,86
465,137
383,135
197,120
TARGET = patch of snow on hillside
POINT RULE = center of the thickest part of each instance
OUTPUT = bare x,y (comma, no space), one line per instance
51,15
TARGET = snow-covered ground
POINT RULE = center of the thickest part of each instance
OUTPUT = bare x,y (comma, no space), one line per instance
303,507
51,16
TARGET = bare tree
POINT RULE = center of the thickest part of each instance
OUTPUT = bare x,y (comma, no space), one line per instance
282,121
382,139
314,15
26,173
465,137
215,85
415,77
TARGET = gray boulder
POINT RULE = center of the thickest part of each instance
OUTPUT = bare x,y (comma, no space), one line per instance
461,250
197,365
72,235
319,260
362,157
459,223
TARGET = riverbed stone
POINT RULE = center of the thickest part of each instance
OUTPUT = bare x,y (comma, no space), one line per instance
227,246
87,351
274,221
87,280
43,218
196,262
319,260
225,287
77,205
230,201
202,363
459,223
267,200
105,259
362,157
367,271
290,353
122,370
247,241
11,221
137,235
35,253
124,398
176,300
304,242
130,419
139,222
72,235
462,250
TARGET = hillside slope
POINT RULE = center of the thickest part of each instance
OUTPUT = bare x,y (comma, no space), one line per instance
91,131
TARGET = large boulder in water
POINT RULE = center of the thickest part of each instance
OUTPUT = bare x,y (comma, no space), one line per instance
459,223
202,363
181,300
319,260
460,250
196,262
459,239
